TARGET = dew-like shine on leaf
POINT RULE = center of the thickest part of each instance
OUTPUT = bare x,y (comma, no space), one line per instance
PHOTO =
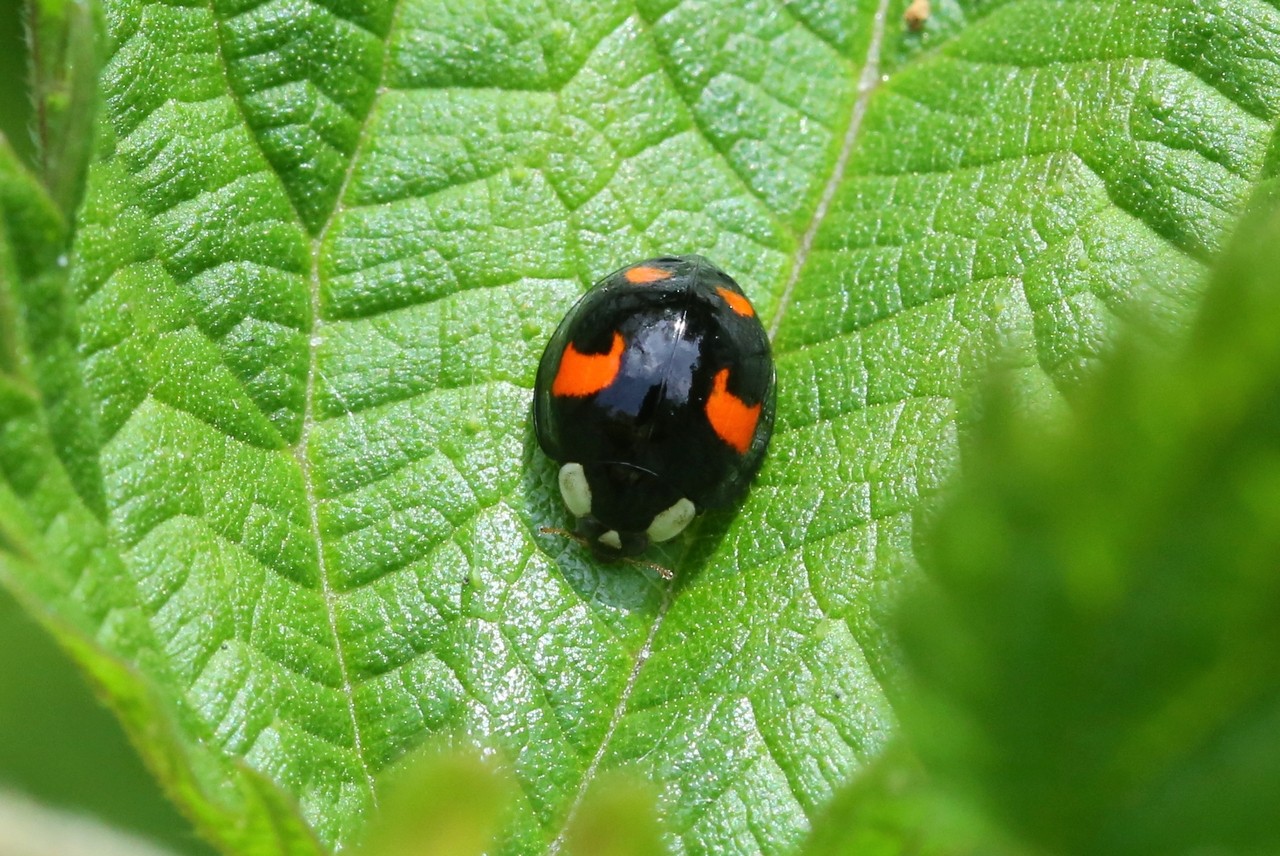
288,474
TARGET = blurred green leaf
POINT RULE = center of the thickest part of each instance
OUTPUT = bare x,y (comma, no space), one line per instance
453,802
617,817
65,44
268,462
1097,653
61,746
15,100
893,809
448,803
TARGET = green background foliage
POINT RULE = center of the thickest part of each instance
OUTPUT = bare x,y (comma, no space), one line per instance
58,744
273,286
1098,647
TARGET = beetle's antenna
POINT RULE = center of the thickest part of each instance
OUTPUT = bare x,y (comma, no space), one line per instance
666,573
556,530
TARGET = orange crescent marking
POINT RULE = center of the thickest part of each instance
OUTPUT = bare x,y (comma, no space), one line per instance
731,419
737,302
643,274
583,374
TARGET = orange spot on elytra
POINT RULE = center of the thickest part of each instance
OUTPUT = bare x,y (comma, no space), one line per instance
583,374
737,302
643,274
732,419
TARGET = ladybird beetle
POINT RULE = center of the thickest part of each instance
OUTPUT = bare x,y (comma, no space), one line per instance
656,396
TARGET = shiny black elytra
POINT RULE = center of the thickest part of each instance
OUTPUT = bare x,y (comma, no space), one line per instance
656,395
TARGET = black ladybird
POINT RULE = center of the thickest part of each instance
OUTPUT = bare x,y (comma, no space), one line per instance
656,396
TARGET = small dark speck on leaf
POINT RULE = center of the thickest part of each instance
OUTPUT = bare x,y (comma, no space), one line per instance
915,16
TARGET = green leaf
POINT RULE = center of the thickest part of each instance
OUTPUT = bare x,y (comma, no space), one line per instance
440,803
15,104
57,554
64,38
270,457
59,745
616,817
894,809
1097,655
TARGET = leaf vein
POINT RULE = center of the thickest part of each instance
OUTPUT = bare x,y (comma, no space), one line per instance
867,83
301,449
240,109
